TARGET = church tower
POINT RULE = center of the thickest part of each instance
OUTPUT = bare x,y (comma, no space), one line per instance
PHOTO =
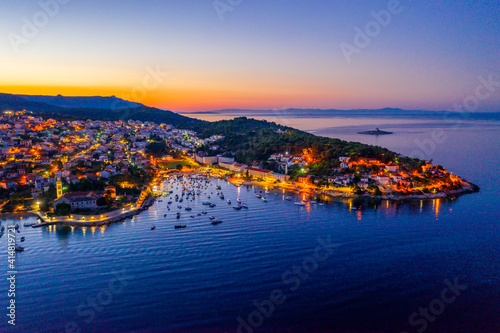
59,187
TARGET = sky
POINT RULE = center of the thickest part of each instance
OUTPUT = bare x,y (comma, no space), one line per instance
202,55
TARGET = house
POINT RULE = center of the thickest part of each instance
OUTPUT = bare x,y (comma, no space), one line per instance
392,167
104,174
280,177
344,162
81,200
344,159
305,179
259,173
238,167
383,180
112,190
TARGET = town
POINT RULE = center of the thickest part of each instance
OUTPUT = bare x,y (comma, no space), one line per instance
95,167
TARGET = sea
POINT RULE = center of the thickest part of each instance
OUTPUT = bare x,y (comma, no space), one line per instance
346,265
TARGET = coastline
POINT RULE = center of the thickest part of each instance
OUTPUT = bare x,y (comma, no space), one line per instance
469,188
309,190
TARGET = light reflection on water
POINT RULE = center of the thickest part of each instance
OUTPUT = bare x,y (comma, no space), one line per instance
392,259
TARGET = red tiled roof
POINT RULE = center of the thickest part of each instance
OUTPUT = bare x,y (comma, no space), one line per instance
259,170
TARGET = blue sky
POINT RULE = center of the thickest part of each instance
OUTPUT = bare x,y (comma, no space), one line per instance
263,54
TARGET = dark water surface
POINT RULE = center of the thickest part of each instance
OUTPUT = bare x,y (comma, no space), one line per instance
387,260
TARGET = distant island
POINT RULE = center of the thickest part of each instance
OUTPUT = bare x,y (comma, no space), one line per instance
375,132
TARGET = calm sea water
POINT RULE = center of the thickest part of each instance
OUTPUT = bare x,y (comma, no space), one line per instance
387,261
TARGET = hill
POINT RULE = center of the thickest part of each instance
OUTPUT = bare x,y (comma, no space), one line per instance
92,102
118,109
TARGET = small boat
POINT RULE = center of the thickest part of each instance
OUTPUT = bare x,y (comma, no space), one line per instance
165,215
199,214
321,204
206,203
17,226
313,202
22,239
237,207
264,199
216,222
212,217
217,187
192,216
188,208
178,215
180,226
19,248
228,201
27,225
299,203
238,200
257,195
288,198
179,206
244,205
153,228
204,213
212,205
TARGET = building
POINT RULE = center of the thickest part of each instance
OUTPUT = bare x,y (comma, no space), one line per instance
238,167
305,179
280,177
112,190
383,180
81,200
392,167
259,173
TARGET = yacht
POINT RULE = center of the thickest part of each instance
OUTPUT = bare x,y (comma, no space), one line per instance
216,222
264,199
299,203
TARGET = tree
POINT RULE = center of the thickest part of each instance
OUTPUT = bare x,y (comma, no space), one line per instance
63,209
103,201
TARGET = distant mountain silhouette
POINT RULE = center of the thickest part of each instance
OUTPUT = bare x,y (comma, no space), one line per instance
93,102
112,108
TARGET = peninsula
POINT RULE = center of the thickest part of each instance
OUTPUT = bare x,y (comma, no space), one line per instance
69,167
